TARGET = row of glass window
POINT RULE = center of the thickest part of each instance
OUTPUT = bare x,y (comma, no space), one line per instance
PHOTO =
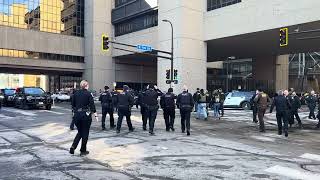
216,4
137,24
39,55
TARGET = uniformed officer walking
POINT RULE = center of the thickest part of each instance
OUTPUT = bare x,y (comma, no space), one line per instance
142,105
185,104
222,98
296,105
114,94
72,124
83,108
168,105
262,100
151,102
107,107
282,105
125,103
311,102
254,107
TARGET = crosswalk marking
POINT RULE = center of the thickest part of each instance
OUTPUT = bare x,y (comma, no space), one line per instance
53,112
26,113
293,173
311,156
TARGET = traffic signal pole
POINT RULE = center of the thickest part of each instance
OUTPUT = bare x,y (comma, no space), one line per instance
171,79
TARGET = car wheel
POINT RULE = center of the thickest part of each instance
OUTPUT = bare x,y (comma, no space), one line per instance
48,107
246,106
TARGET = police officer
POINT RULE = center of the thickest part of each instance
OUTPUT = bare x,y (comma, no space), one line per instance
254,107
115,99
222,98
311,102
262,100
72,121
107,107
283,107
295,105
125,103
168,105
185,104
142,109
151,102
195,99
83,107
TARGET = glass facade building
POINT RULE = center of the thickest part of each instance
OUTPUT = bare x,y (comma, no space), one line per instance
216,4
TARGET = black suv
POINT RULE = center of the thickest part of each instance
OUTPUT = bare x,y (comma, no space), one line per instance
32,97
8,97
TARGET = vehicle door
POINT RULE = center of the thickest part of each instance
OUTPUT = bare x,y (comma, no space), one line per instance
235,99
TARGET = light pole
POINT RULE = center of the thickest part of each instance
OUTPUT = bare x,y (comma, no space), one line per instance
171,71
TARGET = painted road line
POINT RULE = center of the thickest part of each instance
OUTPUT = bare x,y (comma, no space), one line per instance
53,112
26,113
314,157
293,173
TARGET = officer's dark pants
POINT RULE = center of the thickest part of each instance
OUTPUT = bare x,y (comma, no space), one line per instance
144,116
72,123
294,113
222,109
151,114
83,123
121,114
261,113
106,111
254,113
185,120
282,117
311,114
169,115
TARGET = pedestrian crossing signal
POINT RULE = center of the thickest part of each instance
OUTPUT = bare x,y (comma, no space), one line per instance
283,37
105,42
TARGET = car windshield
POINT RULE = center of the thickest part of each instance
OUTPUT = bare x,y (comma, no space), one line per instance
9,91
33,91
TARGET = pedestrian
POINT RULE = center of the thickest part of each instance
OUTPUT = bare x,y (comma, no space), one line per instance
262,100
254,107
142,105
152,106
115,99
196,99
83,108
282,105
311,102
107,108
167,103
202,103
125,103
296,105
185,104
216,104
222,98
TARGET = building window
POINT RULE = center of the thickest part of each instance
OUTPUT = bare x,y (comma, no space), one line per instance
122,2
136,24
216,4
40,55
55,16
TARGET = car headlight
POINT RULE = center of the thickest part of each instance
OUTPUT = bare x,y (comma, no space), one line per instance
29,98
1,97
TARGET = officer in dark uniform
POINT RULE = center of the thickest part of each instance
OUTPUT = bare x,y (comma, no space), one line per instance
168,105
318,115
282,105
185,104
262,100
115,99
125,103
152,106
107,107
142,109
83,108
254,107
222,98
72,121
295,105
312,102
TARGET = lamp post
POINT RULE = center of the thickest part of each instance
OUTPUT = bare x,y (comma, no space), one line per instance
171,71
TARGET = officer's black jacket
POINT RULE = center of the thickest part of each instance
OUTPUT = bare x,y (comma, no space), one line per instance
151,97
281,103
167,101
125,100
83,99
115,97
106,100
185,101
140,98
311,101
296,103
252,102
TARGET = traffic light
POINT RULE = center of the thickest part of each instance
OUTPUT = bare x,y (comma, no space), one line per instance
105,42
168,74
175,74
283,37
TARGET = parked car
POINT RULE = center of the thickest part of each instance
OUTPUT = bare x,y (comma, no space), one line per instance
239,99
61,96
32,97
1,99
8,97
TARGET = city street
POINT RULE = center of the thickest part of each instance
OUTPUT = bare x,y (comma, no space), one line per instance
34,144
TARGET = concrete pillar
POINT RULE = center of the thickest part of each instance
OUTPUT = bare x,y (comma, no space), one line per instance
282,72
100,67
190,58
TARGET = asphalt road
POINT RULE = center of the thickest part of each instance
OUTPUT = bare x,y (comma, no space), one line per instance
34,145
